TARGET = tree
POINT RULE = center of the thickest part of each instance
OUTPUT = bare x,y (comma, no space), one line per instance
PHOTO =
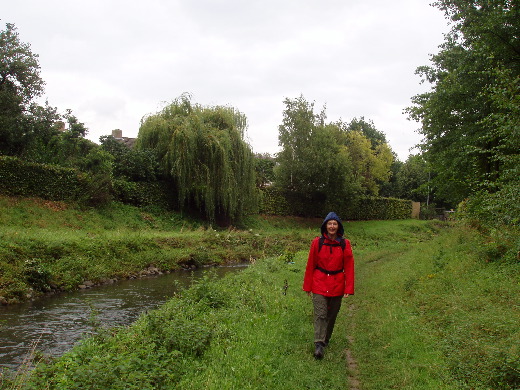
390,189
20,83
313,166
370,166
203,152
264,169
41,125
368,129
130,164
19,68
413,179
470,120
76,129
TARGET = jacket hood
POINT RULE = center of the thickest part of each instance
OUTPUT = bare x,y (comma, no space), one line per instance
334,216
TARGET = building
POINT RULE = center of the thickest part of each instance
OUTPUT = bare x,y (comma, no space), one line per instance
118,135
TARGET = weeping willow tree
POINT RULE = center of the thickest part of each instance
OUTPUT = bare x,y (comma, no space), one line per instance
203,151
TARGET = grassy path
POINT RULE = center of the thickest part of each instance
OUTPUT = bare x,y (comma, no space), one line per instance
352,365
433,311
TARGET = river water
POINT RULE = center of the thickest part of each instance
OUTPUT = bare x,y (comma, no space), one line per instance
55,323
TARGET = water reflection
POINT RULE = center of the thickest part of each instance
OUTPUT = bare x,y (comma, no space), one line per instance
56,323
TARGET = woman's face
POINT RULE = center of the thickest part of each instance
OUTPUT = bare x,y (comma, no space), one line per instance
332,227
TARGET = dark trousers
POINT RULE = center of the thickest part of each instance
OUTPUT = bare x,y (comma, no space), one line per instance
325,312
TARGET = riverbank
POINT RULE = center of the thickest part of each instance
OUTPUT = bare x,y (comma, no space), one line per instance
50,246
429,313
56,323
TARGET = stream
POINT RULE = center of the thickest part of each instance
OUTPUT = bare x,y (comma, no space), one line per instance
55,323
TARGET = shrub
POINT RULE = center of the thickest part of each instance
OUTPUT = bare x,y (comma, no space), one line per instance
20,178
144,193
275,202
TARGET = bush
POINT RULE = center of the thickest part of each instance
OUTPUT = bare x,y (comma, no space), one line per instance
373,208
275,202
493,209
20,178
144,193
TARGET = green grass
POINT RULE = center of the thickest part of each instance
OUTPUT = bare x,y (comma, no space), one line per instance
437,316
48,246
431,311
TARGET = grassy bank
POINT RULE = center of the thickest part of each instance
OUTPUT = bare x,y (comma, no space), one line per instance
442,314
47,246
430,312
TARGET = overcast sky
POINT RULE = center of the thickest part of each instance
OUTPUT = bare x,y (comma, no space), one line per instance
112,62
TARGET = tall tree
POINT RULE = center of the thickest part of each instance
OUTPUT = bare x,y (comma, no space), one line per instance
20,83
19,67
369,130
470,120
203,151
264,169
313,167
371,167
413,179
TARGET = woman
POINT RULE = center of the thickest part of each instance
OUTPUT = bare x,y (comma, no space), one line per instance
329,276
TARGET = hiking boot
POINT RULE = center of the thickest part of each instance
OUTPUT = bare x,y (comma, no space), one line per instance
318,351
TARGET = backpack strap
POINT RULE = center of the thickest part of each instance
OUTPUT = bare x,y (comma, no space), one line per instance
341,243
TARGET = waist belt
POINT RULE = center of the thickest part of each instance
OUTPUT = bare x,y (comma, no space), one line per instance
326,271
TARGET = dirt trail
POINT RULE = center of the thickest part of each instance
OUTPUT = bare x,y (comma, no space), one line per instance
352,368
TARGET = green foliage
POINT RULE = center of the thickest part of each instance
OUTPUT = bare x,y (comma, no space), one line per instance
275,202
369,130
390,189
131,164
413,178
373,208
431,314
157,193
470,118
69,150
428,211
20,82
41,125
264,169
202,150
32,132
52,182
45,181
37,276
321,163
497,217
370,164
493,210
19,68
313,166
46,244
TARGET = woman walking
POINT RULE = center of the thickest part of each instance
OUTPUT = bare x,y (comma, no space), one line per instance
329,276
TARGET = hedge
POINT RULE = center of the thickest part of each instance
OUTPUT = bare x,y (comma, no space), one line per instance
376,208
22,178
275,202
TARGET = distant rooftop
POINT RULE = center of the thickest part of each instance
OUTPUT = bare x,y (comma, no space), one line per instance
118,135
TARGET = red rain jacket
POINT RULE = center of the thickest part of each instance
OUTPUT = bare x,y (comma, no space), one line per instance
330,258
